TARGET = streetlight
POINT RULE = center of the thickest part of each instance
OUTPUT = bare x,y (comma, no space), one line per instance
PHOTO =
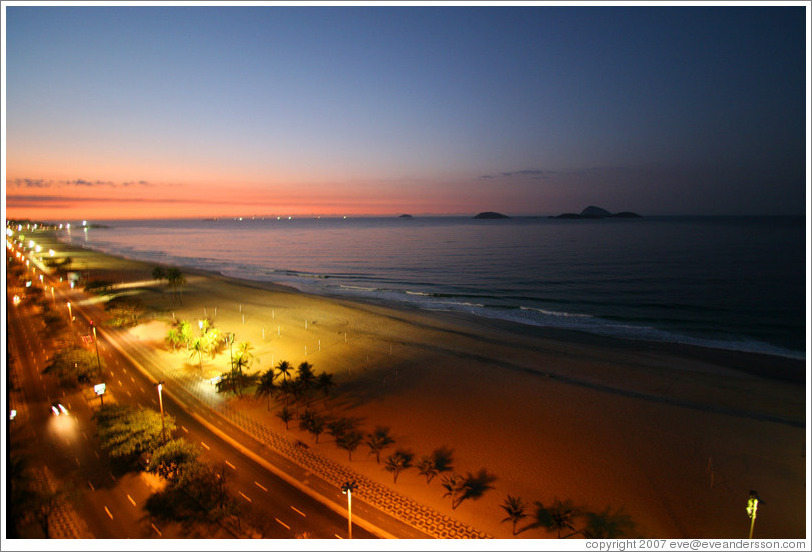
752,506
160,385
96,342
70,314
347,489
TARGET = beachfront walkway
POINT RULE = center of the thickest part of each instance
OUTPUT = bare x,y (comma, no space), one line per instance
423,518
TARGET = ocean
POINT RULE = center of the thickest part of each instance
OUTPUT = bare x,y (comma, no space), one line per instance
721,282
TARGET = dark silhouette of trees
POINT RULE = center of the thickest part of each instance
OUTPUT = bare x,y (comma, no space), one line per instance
379,440
471,486
266,387
125,431
607,524
514,507
399,461
72,364
350,441
556,517
307,379
285,415
323,383
173,458
440,461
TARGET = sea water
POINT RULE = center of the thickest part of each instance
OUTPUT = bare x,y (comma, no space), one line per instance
722,282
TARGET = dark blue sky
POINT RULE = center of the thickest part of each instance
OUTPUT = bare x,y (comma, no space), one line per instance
526,110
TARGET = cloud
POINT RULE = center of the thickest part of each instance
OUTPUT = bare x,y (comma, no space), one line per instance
78,182
532,174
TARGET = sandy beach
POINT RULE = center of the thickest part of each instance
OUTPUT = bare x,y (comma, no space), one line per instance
674,437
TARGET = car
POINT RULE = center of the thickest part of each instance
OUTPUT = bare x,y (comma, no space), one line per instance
58,410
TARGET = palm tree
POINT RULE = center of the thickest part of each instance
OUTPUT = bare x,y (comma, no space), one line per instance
339,427
284,368
285,416
213,339
266,387
185,330
176,281
514,508
443,458
379,440
350,441
174,337
607,524
559,515
286,388
307,378
399,461
159,274
475,485
198,348
316,426
454,485
426,468
324,383
244,356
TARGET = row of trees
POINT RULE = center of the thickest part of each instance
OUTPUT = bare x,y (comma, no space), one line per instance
563,516
175,280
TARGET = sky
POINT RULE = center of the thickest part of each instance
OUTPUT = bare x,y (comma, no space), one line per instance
135,111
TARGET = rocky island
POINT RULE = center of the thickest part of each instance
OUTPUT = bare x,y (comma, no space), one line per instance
593,212
491,215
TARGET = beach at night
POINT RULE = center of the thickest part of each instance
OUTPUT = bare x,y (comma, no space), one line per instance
670,438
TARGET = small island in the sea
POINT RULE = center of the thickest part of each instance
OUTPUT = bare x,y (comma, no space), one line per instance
491,215
593,212
405,216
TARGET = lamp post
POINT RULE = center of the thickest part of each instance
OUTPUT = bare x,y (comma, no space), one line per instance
752,506
160,385
96,342
70,314
347,489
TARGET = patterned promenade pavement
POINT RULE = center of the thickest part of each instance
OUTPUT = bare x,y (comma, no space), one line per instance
423,518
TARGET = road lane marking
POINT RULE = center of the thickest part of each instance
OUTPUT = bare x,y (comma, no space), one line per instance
124,370
282,524
77,461
129,394
156,529
133,379
205,445
184,429
298,511
230,465
342,538
112,476
245,496
84,433
97,454
131,500
260,486
120,384
108,512
92,488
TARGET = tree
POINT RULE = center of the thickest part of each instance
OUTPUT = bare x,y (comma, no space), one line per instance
439,461
127,431
284,368
244,356
350,441
173,337
266,387
125,311
198,348
324,382
316,426
307,379
607,524
426,468
285,415
339,427
476,485
73,364
399,461
514,507
158,273
379,440
235,382
176,281
559,515
173,458
454,485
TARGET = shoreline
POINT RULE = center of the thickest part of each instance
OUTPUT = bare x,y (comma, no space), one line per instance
608,423
768,365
